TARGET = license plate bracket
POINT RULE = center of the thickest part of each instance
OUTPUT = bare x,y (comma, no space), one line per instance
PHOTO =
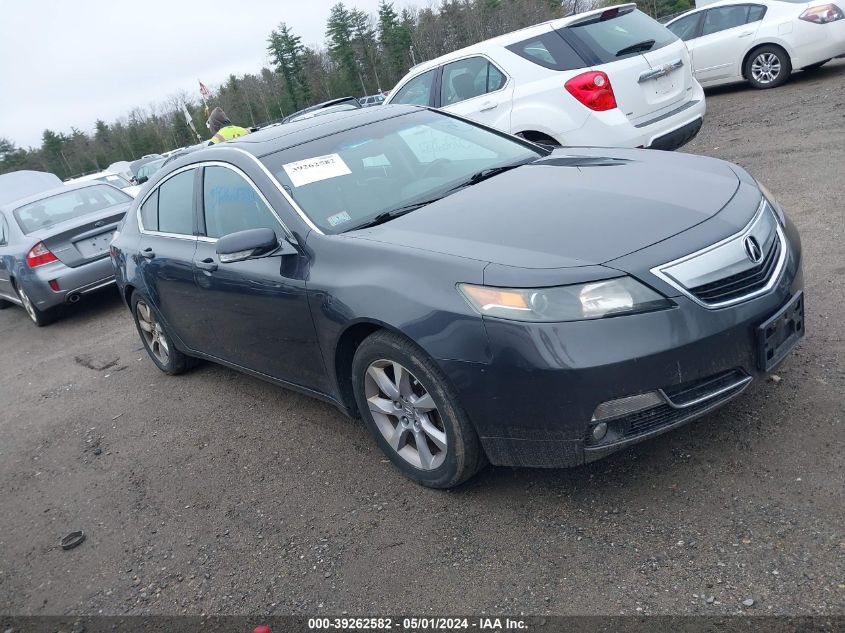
94,246
778,335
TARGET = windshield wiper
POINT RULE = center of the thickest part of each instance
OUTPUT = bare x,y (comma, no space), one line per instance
645,45
387,216
484,174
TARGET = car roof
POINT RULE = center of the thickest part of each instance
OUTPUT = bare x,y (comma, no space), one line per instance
89,177
270,140
513,37
49,193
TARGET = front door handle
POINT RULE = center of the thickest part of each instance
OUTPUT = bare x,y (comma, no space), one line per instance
206,264
490,105
148,253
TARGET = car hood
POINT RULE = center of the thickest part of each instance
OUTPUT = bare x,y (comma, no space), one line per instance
575,207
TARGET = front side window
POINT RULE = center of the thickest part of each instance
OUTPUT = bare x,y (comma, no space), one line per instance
176,204
68,206
687,27
231,204
724,18
469,78
344,180
417,91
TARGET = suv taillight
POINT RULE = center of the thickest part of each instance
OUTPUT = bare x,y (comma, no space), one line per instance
822,14
593,89
39,255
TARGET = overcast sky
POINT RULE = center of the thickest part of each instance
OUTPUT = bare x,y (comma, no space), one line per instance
68,63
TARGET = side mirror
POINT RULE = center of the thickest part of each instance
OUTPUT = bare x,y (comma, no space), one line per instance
141,179
236,247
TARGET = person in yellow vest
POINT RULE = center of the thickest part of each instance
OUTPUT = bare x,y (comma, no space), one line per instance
222,128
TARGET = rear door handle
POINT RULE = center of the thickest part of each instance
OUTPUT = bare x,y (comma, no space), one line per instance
746,34
489,105
206,264
148,253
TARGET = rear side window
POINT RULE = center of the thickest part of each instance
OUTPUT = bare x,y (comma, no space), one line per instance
613,35
686,28
724,18
149,212
417,91
469,78
548,50
176,204
756,12
4,231
231,204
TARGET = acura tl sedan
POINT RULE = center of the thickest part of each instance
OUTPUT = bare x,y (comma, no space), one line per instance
54,246
473,297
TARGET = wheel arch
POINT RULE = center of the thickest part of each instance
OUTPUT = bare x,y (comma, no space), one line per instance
538,137
757,46
344,352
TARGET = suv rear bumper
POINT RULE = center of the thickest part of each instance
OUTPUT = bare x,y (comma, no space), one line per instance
677,138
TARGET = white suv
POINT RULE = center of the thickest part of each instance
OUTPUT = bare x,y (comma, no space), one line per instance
609,77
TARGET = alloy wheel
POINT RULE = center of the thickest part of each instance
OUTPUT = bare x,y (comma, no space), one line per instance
406,414
27,305
153,333
766,68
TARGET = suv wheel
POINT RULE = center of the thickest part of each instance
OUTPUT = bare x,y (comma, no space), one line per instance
411,410
157,341
768,67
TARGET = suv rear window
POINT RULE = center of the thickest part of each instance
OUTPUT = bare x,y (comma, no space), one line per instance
548,50
612,36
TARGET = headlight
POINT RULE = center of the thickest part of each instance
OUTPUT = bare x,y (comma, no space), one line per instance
565,303
773,203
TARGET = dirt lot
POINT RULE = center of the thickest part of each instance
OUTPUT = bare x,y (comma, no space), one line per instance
213,492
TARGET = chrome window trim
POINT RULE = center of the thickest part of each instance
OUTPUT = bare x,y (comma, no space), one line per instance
213,163
657,271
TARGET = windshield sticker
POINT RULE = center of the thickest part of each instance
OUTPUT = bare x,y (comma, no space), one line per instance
338,218
304,172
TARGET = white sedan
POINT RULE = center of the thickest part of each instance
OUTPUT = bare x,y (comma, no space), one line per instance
761,41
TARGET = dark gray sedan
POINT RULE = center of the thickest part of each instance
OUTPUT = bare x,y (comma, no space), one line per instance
54,246
472,296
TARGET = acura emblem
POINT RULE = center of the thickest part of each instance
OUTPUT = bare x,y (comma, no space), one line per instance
753,250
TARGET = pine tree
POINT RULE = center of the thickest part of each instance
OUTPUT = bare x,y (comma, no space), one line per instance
340,32
286,53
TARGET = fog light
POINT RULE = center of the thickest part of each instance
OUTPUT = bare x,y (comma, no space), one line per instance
599,431
625,406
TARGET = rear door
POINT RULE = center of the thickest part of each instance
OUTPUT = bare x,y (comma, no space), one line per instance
166,252
647,65
726,33
7,257
476,88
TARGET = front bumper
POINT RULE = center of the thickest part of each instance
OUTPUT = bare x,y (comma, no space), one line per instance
72,282
533,404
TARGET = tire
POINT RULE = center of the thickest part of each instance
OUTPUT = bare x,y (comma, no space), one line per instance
156,339
39,317
816,65
451,451
767,67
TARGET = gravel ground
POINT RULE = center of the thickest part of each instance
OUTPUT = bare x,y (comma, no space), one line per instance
213,492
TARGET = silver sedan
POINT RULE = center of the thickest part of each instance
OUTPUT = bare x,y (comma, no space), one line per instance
54,246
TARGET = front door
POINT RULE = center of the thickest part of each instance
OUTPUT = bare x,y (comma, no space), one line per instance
257,310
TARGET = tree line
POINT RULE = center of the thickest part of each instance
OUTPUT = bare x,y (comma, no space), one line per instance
363,54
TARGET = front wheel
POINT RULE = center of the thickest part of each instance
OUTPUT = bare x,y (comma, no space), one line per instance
157,341
411,410
37,316
768,67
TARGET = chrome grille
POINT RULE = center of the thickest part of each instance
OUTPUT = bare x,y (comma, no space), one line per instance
724,274
741,284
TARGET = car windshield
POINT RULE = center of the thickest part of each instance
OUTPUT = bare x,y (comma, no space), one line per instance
62,207
345,180
114,179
